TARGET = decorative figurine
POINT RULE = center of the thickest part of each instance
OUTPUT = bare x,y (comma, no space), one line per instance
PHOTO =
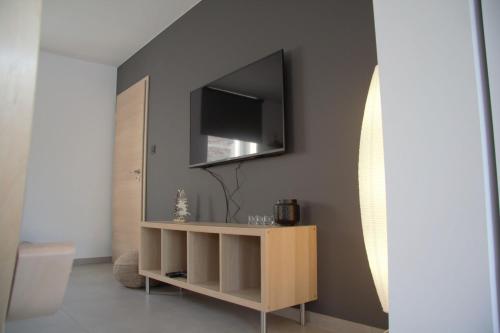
181,207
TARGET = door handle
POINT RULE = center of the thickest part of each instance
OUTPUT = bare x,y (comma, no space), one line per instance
136,171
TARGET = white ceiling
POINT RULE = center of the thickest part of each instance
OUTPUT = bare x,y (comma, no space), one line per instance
106,31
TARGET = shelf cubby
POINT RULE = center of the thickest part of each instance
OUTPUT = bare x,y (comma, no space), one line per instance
173,252
150,254
240,266
203,259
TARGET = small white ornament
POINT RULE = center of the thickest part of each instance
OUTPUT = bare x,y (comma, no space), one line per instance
181,207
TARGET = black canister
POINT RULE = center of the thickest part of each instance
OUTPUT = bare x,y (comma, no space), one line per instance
287,212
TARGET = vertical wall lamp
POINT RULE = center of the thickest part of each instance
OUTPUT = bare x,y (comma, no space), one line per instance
372,198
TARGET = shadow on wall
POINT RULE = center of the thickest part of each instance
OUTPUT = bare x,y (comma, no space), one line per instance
293,73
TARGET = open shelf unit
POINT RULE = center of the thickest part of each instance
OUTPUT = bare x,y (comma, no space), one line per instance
265,268
203,262
240,266
174,252
150,254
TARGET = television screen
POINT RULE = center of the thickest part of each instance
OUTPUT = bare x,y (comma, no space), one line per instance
240,115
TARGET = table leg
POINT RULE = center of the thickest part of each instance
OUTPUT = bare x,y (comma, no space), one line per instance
263,324
147,285
303,314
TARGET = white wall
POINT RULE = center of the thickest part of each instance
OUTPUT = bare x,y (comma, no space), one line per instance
68,195
491,17
436,173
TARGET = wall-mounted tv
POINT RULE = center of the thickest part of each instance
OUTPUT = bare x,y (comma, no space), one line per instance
239,116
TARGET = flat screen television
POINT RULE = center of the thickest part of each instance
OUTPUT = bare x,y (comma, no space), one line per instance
239,116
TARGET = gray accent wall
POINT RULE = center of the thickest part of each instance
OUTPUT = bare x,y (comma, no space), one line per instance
330,55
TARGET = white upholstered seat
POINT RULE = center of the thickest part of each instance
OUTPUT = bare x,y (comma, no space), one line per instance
40,279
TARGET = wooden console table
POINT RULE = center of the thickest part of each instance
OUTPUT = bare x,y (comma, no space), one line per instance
265,268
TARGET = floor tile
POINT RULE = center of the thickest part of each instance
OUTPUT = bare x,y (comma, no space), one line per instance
96,303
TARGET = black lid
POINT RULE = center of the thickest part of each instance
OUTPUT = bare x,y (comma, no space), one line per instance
287,201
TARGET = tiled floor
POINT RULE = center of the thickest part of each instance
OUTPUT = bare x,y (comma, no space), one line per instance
96,303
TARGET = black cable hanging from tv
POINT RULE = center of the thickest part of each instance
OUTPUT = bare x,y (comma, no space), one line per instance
231,195
224,189
228,196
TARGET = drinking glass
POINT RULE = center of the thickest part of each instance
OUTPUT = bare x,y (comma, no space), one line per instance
268,220
251,219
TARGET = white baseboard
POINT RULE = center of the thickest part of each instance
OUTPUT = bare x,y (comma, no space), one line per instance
89,261
328,323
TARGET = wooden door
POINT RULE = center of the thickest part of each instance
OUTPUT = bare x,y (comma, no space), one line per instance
129,166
